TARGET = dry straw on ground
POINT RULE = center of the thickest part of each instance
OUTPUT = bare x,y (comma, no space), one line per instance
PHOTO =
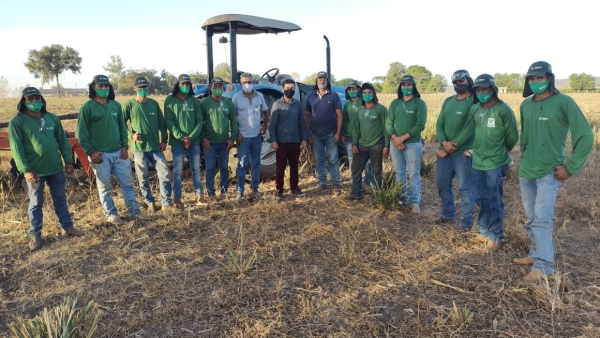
306,267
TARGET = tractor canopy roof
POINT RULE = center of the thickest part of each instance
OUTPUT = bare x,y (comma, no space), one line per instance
248,24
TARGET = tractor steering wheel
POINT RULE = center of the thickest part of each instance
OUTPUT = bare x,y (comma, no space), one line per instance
270,78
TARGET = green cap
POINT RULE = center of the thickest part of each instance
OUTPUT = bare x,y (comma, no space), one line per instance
539,68
100,79
28,91
184,78
141,81
322,74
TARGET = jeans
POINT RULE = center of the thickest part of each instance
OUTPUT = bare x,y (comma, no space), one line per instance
250,147
368,180
539,197
324,145
374,154
112,164
489,194
158,160
408,160
446,169
194,158
218,153
56,183
287,153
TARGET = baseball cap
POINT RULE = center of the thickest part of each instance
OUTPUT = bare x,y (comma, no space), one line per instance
100,79
321,74
352,84
460,74
216,80
28,91
140,81
184,78
539,68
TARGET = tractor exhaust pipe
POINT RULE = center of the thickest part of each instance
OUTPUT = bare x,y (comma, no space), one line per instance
328,57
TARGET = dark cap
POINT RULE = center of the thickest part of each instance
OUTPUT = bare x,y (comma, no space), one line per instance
184,78
408,79
460,74
322,74
539,68
352,84
28,91
484,81
216,80
141,81
100,79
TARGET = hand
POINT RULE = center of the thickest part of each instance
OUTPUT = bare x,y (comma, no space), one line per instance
96,157
229,145
68,169
400,147
262,131
186,142
449,147
31,177
124,154
274,145
163,146
336,137
205,144
240,138
561,173
137,137
386,152
303,144
344,142
355,149
441,153
309,139
397,141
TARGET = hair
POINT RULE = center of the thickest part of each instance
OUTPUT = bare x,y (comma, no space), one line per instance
316,87
368,85
92,92
287,81
245,74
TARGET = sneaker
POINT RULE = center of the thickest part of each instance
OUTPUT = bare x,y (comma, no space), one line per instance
322,187
279,194
255,194
35,243
534,276
239,197
523,261
443,220
415,209
212,199
178,204
73,231
142,217
354,198
115,219
298,192
200,200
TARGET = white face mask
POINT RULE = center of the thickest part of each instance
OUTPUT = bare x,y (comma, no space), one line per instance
247,87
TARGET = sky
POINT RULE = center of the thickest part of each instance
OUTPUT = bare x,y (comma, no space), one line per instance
365,36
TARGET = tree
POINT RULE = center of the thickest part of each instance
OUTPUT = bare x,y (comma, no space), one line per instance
392,78
223,71
51,61
437,84
581,81
421,74
295,76
198,77
132,74
116,71
344,82
312,79
167,80
513,82
4,90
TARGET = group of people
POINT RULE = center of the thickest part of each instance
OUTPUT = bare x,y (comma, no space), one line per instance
475,128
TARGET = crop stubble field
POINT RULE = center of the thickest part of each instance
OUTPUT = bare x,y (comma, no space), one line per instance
307,267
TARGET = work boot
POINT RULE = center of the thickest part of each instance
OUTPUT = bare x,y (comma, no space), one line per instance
337,189
322,187
142,217
279,194
35,243
534,276
415,209
354,198
73,231
523,261
115,219
493,246
443,220
298,192
461,229
200,200
178,204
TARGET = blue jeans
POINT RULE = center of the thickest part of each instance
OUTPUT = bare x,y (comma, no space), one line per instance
539,197
112,164
56,183
250,147
194,159
158,160
409,160
324,145
446,169
368,180
489,194
373,154
217,152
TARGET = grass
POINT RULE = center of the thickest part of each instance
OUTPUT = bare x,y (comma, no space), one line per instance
314,266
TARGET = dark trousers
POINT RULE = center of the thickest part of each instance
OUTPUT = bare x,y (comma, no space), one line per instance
287,153
359,162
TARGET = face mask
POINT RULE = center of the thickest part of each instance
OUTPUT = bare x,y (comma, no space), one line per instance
217,91
34,106
485,97
322,85
103,93
367,97
353,94
461,88
247,87
289,93
539,87
407,91
184,89
142,92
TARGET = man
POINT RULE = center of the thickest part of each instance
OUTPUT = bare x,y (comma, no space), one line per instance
495,128
149,139
372,140
452,161
405,122
252,111
183,116
220,130
546,117
350,113
324,120
33,135
102,134
287,135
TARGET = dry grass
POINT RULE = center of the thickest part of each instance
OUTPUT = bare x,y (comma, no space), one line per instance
308,267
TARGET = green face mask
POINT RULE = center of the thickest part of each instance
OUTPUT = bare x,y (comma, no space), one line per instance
485,97
539,87
217,91
352,95
34,106
367,97
184,89
142,92
407,91
101,92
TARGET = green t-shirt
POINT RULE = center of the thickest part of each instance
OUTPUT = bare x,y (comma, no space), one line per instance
220,120
407,117
147,119
37,145
452,119
349,112
368,127
183,118
496,133
101,127
544,128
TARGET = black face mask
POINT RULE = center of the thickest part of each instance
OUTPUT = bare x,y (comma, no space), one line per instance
289,93
461,88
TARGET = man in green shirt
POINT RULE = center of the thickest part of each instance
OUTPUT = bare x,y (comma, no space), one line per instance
34,134
405,122
148,134
220,127
371,140
546,119
494,126
183,116
102,133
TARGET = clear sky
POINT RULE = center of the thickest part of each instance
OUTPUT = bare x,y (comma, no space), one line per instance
365,36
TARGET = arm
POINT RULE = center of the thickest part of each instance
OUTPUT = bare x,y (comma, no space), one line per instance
16,138
337,104
265,116
512,133
63,142
390,121
302,125
421,119
233,122
345,117
198,121
439,126
122,127
83,131
162,126
171,122
274,122
386,135
354,129
127,115
468,129
582,137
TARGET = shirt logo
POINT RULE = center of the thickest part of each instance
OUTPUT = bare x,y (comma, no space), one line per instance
491,122
543,118
459,113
